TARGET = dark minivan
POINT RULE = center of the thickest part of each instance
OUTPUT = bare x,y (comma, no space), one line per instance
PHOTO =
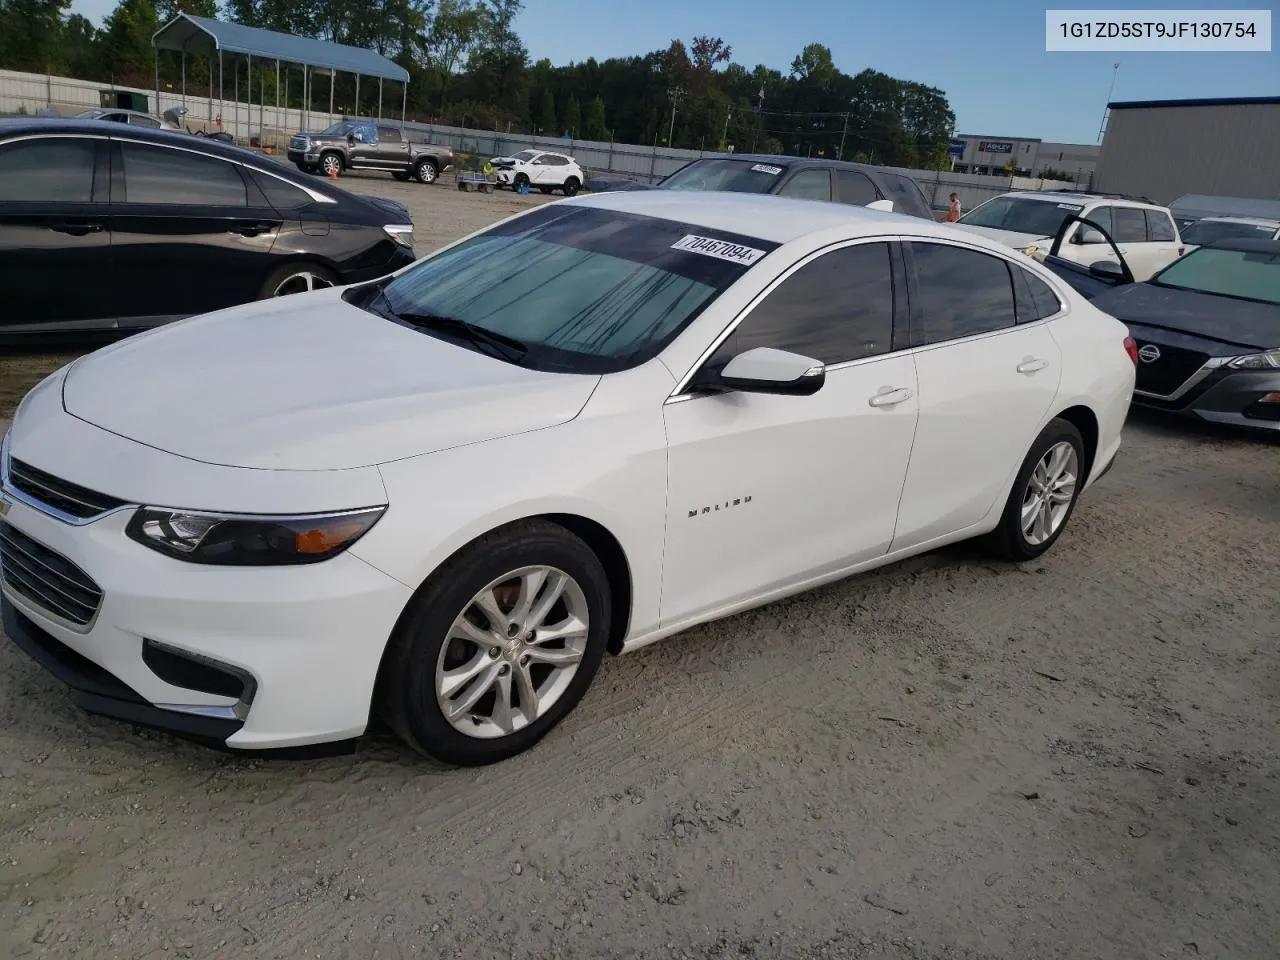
107,228
802,178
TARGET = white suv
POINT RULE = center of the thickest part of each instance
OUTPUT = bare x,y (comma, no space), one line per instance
1144,232
538,168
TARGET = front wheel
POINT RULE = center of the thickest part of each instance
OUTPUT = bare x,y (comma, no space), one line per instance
498,645
425,171
331,164
1044,494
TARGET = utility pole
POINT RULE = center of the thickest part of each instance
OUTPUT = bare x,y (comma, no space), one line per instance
724,138
676,93
843,134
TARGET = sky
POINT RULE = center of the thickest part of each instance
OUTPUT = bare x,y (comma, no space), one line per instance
988,57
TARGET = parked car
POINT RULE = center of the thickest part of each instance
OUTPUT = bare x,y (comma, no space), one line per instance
1144,231
364,145
1206,328
803,178
174,119
445,496
1212,229
104,228
541,169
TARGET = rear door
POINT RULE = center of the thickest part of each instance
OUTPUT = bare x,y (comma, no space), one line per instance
189,234
986,383
55,239
1163,240
856,188
393,150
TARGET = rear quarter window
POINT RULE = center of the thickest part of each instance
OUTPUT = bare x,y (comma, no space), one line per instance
1159,226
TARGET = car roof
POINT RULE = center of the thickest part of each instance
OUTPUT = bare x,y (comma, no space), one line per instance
1060,196
1252,221
766,217
216,148
785,161
1245,245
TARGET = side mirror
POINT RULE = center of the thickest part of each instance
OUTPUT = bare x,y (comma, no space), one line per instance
885,205
1106,270
766,370
1089,235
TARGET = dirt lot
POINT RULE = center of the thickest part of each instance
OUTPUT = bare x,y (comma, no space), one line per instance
950,758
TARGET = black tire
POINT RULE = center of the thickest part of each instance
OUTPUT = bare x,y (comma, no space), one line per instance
1009,540
407,681
521,180
279,278
571,186
426,171
402,175
327,160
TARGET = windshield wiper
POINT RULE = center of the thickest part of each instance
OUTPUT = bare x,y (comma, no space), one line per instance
499,344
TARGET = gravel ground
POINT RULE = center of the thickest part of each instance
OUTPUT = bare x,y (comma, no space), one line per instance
949,758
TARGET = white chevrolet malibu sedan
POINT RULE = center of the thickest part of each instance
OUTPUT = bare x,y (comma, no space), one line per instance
444,496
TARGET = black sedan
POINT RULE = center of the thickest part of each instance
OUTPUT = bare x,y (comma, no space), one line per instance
1206,328
107,229
805,178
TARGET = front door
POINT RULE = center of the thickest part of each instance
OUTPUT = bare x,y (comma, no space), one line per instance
55,238
767,491
986,383
187,237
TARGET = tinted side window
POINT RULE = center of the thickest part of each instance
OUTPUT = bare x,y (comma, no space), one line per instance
962,292
811,184
389,135
149,122
1159,226
281,195
160,175
855,187
1131,225
907,196
554,161
1102,217
1036,299
59,169
836,308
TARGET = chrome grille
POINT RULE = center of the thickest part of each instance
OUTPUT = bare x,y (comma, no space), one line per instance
61,495
1172,367
297,143
46,578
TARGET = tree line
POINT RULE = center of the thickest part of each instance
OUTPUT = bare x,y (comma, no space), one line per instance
468,67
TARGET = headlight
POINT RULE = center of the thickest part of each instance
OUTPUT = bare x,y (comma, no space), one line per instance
401,233
250,540
1267,360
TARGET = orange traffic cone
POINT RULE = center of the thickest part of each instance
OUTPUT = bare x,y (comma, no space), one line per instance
333,172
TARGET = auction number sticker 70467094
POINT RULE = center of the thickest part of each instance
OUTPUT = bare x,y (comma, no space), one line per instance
720,249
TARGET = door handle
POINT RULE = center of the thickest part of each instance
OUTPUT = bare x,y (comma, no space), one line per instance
252,229
1032,365
76,229
890,397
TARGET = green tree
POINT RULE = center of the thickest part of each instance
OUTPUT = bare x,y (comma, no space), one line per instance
126,38
547,113
31,35
572,121
594,128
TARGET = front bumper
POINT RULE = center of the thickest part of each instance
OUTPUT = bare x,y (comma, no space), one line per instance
307,640
1227,396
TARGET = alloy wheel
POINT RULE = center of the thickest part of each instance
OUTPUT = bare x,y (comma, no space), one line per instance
330,164
304,281
512,652
1050,491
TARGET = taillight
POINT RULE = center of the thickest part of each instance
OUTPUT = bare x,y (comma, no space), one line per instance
1131,348
1181,251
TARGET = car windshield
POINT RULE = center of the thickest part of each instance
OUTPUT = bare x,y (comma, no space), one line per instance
736,176
524,156
576,289
1042,218
338,129
1208,231
1246,274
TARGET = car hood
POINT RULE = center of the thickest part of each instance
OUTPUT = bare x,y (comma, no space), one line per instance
310,382
611,184
1225,320
1010,238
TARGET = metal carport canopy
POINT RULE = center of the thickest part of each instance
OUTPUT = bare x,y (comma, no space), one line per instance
201,35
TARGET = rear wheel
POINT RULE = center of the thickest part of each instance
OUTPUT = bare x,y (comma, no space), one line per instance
1044,494
297,278
498,645
425,171
571,186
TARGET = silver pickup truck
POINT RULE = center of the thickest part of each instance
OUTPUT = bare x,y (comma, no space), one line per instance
366,145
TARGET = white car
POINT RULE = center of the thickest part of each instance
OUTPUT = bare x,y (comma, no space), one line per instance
1211,229
541,170
1144,232
445,497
